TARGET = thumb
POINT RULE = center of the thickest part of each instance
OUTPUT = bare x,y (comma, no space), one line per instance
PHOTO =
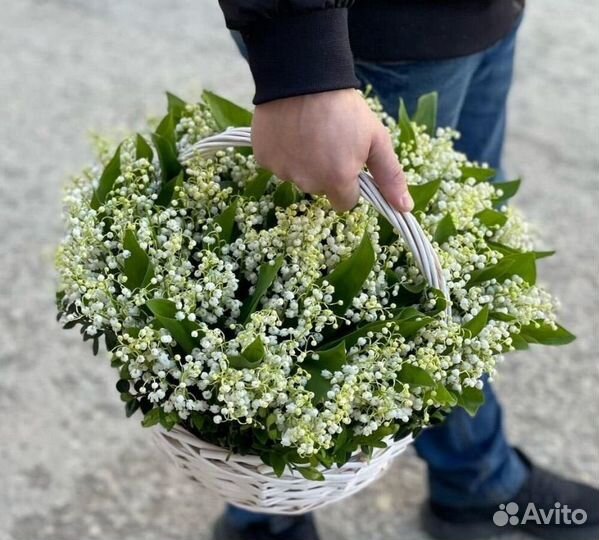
387,172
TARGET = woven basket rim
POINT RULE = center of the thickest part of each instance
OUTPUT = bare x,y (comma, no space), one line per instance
255,461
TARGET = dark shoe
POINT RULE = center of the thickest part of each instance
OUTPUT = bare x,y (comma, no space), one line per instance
277,528
547,506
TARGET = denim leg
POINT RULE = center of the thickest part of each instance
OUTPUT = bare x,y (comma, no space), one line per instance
409,80
483,114
240,518
470,462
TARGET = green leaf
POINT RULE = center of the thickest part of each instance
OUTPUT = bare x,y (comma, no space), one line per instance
285,195
278,463
261,436
500,316
471,399
251,356
325,459
166,130
426,112
332,359
502,248
110,340
440,301
521,264
342,440
271,426
256,187
165,312
162,307
423,194
166,194
111,172
507,250
137,267
226,220
116,363
445,229
509,190
387,234
167,156
352,338
266,275
142,149
544,334
415,376
408,327
59,296
391,277
132,331
407,322
198,420
71,324
444,397
130,407
406,134
168,420
543,254
124,371
480,174
226,113
122,385
491,218
376,439
349,275
415,287
310,473
519,343
151,418
254,352
478,322
181,332
176,107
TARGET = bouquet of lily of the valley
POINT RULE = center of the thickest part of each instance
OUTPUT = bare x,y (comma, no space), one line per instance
257,319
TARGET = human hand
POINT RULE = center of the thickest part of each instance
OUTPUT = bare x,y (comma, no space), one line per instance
322,141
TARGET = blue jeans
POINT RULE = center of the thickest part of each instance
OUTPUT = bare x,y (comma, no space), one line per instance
470,462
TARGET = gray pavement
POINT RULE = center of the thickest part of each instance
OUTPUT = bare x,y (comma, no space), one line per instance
71,466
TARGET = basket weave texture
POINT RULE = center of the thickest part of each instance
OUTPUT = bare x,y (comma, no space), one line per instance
245,481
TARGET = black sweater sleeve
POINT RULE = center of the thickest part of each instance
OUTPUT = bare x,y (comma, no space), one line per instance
295,47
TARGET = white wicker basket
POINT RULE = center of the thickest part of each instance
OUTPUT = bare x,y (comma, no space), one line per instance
245,481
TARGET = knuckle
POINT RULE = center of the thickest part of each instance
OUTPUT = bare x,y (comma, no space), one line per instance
343,205
349,175
398,178
383,136
262,157
306,184
343,198
343,176
394,177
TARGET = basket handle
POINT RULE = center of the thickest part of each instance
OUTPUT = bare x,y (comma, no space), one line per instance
405,224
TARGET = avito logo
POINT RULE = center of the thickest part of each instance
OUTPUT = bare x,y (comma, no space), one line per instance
558,514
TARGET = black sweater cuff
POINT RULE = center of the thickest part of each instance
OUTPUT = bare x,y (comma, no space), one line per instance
300,54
